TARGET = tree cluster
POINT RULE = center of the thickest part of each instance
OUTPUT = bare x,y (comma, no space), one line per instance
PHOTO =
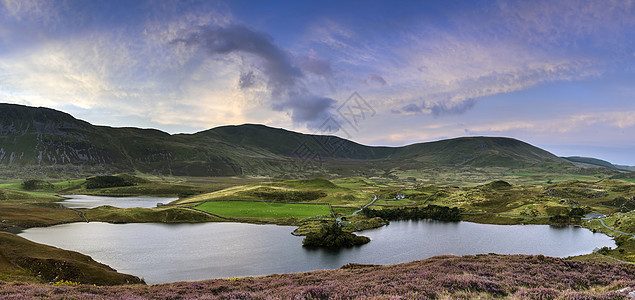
36,184
572,216
289,196
434,212
332,236
106,181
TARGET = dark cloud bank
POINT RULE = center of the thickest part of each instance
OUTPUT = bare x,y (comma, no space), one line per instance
283,74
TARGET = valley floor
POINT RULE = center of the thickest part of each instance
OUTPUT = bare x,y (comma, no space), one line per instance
482,276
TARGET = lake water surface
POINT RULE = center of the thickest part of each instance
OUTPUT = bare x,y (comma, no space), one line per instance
85,201
162,253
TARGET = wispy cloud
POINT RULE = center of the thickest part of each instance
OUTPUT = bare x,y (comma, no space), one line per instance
283,76
565,124
317,66
506,47
440,108
44,11
275,62
448,71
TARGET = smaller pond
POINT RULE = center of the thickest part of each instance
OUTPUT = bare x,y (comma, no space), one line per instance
84,201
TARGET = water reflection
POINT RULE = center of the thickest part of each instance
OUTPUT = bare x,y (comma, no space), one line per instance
85,201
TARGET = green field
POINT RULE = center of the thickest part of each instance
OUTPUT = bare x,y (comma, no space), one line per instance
259,209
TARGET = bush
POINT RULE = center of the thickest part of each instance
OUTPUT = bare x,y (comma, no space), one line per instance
604,250
434,212
288,196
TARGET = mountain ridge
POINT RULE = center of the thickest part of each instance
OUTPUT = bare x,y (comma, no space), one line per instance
44,140
596,162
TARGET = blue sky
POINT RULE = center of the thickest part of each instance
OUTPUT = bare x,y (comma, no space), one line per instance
557,74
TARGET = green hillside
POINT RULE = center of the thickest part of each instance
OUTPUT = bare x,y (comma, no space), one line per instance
477,152
41,142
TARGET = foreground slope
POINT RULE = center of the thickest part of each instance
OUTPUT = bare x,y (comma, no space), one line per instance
46,142
23,260
445,277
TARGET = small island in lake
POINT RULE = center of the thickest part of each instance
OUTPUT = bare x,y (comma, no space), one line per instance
332,236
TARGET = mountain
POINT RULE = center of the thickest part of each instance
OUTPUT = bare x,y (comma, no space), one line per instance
477,152
626,168
594,162
46,142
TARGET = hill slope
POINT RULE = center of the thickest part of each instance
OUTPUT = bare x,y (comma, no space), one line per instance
477,152
42,141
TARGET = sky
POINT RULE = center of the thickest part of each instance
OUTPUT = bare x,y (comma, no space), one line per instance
559,75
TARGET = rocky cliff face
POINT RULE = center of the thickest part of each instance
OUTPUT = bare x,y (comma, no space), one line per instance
45,137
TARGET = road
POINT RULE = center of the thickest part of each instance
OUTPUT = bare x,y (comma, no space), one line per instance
367,205
609,228
622,232
617,259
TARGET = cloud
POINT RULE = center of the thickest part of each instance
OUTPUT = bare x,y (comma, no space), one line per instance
377,79
450,108
276,63
579,123
310,109
412,108
495,48
440,108
444,72
284,79
317,66
22,9
246,80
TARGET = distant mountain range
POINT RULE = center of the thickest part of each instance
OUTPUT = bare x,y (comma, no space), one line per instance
594,162
42,141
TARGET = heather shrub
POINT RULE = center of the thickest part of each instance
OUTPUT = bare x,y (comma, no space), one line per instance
236,295
574,295
316,292
443,277
461,283
538,294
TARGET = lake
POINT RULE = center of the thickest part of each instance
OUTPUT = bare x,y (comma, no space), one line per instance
162,253
85,201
